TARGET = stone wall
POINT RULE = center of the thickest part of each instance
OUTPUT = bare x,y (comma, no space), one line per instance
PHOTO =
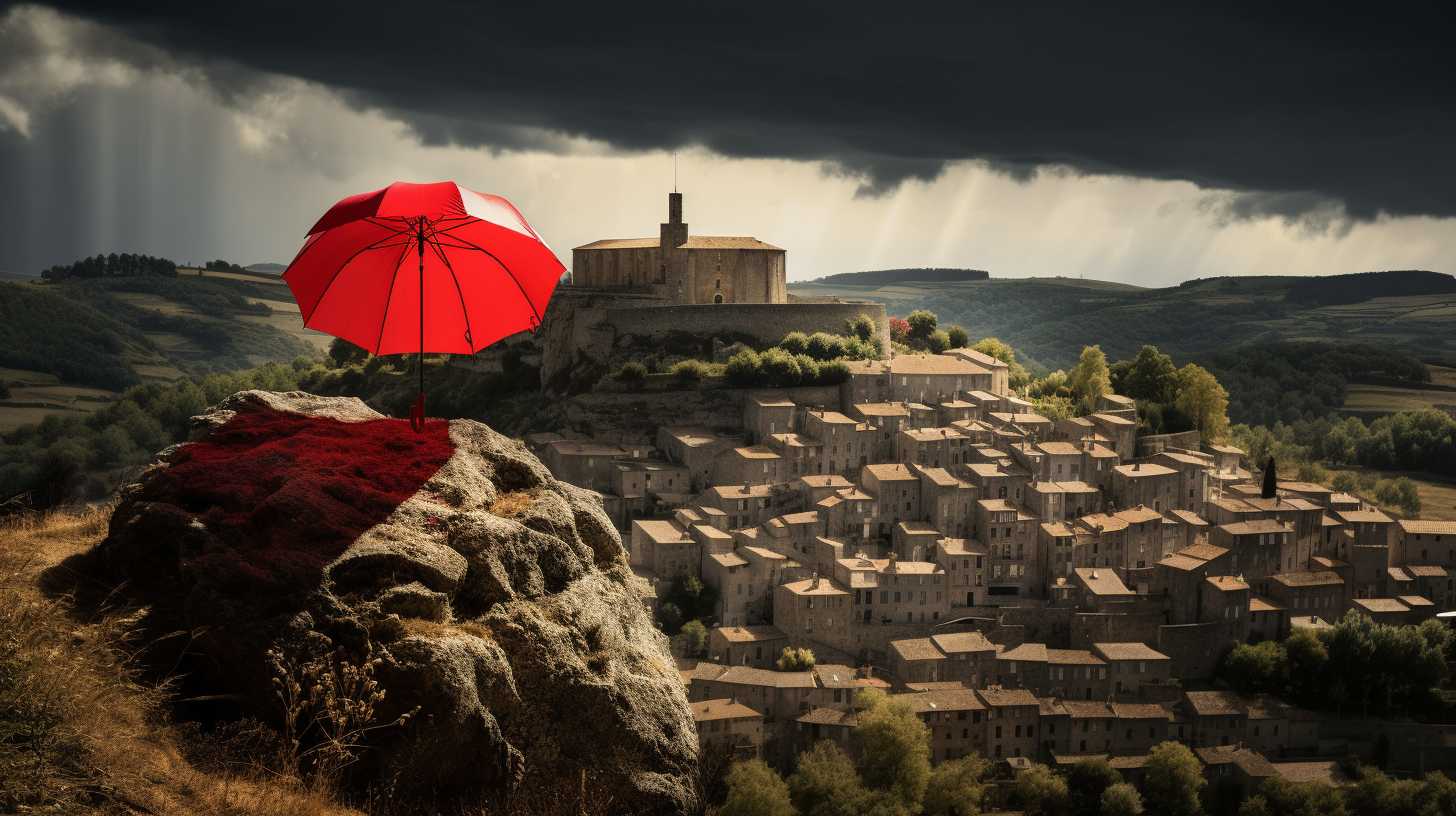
1195,648
767,322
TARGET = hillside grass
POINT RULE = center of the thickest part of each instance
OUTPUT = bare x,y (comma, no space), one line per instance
80,732
1438,494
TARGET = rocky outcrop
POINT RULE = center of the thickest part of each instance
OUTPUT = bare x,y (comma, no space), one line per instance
492,598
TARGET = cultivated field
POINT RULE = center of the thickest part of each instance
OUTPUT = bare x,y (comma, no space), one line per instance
1438,493
1366,399
34,394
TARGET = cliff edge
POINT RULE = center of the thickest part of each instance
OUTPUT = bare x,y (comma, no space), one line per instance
491,600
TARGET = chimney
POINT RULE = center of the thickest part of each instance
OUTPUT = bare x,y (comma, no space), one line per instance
891,566
1136,465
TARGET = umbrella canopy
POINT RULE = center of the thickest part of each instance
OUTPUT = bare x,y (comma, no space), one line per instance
417,268
432,264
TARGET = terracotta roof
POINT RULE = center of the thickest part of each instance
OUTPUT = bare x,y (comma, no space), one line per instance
933,364
1380,605
999,697
1414,601
916,649
1181,562
942,700
1087,709
749,634
830,716
1227,583
870,409
1427,570
1257,527
1189,517
1311,578
1134,515
750,676
1214,703
1428,526
1140,711
1257,604
1128,651
1203,552
1362,516
806,587
1026,651
826,480
962,642
721,709
831,675
1102,581
1073,657
890,472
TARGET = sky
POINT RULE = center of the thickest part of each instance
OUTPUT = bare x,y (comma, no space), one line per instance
1145,144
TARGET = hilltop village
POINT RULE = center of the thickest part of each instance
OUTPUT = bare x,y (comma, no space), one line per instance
1037,589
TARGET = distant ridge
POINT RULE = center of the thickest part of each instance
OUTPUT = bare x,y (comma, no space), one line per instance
923,275
1362,286
266,268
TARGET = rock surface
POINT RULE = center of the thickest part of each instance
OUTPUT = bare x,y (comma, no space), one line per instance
496,599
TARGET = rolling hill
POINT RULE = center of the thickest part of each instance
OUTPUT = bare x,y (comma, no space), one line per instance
1049,320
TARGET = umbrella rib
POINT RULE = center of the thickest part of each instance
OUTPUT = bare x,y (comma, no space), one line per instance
389,298
506,269
376,245
464,311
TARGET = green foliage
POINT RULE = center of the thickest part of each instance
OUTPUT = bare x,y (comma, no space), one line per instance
922,324
1172,780
956,787
755,789
825,346
343,353
689,371
1040,792
670,618
833,372
113,265
957,336
1287,382
1204,400
937,342
1086,782
825,783
1120,799
693,599
633,374
744,369
1018,376
1260,668
1278,797
1089,379
894,749
1149,377
795,659
861,327
780,368
795,342
692,639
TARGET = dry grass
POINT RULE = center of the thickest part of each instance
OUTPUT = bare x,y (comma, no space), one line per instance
512,504
79,733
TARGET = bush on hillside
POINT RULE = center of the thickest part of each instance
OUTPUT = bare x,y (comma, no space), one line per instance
689,371
744,369
632,374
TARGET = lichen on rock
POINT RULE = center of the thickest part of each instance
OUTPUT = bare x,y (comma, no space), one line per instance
496,598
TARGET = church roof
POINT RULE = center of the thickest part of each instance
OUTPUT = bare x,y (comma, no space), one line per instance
694,242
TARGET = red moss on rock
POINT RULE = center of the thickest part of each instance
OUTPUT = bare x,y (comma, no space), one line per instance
288,493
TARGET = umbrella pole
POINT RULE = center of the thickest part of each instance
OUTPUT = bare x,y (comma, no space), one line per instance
417,415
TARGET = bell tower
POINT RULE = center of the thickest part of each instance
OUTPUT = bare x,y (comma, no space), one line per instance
674,232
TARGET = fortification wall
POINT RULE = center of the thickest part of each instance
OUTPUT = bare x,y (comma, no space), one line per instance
767,322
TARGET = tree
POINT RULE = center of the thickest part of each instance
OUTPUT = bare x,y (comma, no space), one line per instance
937,342
1282,798
894,749
343,353
860,326
1150,376
1086,782
1260,668
693,638
795,342
754,789
1172,780
957,336
1203,400
780,368
993,347
1306,658
1120,799
1040,792
899,330
792,659
956,787
1270,488
922,325
826,783
1089,378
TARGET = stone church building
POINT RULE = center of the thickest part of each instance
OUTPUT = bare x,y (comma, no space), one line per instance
684,269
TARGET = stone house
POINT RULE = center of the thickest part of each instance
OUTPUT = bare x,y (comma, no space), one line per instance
814,610
756,646
916,660
947,503
1075,674
1120,430
583,463
800,454
969,657
1146,483
766,414
964,562
955,718
729,574
1000,382
1214,718
897,495
746,505
1012,726
664,548
1419,541
693,447
1132,667
1258,549
846,443
914,540
755,464
935,447
886,419
1010,538
1192,469
1318,592
729,727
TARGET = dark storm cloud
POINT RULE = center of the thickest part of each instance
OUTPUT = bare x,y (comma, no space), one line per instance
1300,109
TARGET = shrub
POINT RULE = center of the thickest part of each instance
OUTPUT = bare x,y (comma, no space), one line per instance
795,342
780,369
689,371
808,369
957,336
633,374
860,327
833,372
938,341
825,346
792,659
744,369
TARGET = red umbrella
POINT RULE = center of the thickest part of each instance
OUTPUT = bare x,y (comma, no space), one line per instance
423,268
